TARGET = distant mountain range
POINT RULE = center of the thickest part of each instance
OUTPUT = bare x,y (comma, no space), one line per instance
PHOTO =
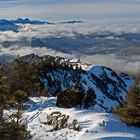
6,25
29,21
72,21
22,21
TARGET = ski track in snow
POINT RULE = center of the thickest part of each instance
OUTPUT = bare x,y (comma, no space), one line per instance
89,120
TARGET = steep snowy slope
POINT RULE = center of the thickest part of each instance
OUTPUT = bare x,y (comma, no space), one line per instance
58,74
109,87
90,122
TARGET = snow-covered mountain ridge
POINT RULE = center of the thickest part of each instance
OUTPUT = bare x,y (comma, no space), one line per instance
110,88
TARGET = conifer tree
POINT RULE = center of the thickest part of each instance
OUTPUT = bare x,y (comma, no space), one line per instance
13,127
4,93
130,113
89,98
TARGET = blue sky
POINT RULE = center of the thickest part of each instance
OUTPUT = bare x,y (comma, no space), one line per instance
62,10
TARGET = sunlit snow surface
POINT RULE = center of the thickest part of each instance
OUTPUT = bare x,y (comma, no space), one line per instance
89,122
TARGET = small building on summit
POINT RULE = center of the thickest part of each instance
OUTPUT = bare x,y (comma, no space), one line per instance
75,61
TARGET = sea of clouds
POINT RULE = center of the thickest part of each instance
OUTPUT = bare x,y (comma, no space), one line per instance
28,32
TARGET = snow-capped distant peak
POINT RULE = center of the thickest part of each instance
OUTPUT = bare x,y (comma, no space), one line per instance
29,21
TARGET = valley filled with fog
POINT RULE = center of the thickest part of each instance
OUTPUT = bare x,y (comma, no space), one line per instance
116,45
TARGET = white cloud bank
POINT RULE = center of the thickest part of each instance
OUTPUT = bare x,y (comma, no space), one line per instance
114,63
71,30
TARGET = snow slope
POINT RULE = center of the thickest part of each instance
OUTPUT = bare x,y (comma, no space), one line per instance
109,87
89,121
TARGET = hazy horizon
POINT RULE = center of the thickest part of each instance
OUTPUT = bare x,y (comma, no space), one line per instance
63,10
